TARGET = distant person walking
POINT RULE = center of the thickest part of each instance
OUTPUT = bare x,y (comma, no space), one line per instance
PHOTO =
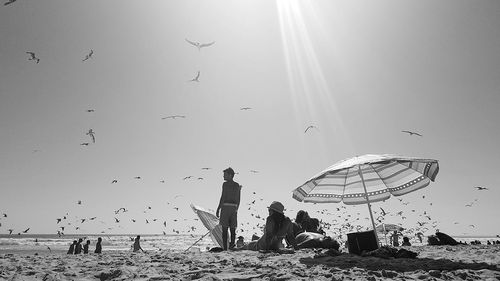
98,246
86,247
395,239
78,247
137,245
71,249
227,211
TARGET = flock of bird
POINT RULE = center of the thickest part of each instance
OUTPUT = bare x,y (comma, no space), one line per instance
337,226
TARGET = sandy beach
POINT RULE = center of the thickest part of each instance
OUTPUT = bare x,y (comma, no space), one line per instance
463,262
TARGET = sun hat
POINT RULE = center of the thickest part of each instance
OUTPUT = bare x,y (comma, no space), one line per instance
277,206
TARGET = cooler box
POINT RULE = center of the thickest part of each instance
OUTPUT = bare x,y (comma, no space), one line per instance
358,242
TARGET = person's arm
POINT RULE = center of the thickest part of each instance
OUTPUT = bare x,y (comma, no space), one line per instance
221,201
238,196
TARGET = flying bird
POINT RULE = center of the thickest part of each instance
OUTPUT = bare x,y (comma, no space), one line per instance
173,117
114,181
58,220
137,178
10,231
411,133
79,202
310,127
33,57
89,55
254,171
91,134
199,45
9,2
245,108
90,110
188,177
481,188
196,79
206,168
84,143
117,220
26,231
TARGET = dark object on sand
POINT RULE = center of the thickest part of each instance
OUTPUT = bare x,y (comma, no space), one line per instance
441,239
361,241
216,250
387,252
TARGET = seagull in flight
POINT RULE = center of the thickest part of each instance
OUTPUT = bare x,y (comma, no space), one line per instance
33,57
114,181
206,168
85,144
310,127
90,110
9,2
245,108
196,79
481,188
199,45
89,55
26,231
91,134
173,117
411,133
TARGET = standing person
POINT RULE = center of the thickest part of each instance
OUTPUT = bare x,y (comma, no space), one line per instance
78,247
137,245
395,239
86,247
71,249
98,246
228,207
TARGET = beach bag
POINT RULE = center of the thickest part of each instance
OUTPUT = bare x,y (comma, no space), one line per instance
359,242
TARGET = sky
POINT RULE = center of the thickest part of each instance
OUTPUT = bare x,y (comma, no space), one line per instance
361,72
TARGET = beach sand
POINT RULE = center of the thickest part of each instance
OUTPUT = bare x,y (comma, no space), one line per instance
463,262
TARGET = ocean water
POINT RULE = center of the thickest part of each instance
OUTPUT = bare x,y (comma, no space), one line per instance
40,243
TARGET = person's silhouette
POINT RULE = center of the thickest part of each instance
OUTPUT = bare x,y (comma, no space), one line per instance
71,249
228,207
86,247
137,245
78,247
98,246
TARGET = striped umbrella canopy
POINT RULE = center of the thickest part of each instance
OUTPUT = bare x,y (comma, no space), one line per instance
368,178
211,222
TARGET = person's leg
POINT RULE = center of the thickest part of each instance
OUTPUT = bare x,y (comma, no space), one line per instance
224,237
233,237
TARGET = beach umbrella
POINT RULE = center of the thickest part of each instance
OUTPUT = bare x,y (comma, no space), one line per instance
367,179
211,222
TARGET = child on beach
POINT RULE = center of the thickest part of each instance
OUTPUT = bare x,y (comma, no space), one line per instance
71,249
240,243
86,247
228,207
137,246
98,247
406,241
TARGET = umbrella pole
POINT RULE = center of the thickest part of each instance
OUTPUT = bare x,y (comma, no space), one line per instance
197,241
368,203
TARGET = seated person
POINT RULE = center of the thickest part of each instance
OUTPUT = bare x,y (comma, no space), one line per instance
299,220
240,243
315,240
278,227
406,241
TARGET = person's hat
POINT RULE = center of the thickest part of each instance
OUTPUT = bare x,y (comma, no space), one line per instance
229,170
277,206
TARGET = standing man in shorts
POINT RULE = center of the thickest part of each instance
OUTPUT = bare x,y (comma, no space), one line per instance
228,207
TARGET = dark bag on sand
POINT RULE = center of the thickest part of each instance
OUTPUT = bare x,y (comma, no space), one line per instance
433,240
358,242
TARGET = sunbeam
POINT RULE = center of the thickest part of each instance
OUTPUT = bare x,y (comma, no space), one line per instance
313,100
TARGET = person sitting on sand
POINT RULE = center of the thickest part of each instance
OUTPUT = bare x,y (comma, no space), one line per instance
86,247
71,249
240,243
137,246
300,218
406,241
78,247
98,246
315,240
277,227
